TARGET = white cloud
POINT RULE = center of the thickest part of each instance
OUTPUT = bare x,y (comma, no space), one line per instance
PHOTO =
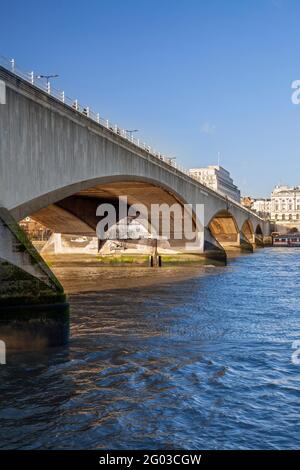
207,128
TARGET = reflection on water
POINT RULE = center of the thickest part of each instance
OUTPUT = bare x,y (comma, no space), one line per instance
170,358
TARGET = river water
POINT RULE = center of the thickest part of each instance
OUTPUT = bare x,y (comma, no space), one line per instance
187,358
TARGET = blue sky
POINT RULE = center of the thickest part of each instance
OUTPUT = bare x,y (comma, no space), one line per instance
196,77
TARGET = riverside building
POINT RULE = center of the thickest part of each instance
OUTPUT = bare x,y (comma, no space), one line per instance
218,179
285,206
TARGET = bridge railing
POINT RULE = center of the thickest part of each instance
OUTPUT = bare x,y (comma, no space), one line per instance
46,86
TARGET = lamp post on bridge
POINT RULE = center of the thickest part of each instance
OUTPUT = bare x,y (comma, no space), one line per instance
171,161
131,132
47,77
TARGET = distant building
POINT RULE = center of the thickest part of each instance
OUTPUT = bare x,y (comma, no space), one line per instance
262,207
285,205
35,230
247,201
218,179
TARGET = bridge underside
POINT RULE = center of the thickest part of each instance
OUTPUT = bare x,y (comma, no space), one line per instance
76,215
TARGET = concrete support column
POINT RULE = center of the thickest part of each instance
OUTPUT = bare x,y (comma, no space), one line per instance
267,241
212,248
245,243
259,241
33,308
204,250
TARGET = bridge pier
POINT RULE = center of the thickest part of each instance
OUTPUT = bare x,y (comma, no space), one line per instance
267,240
236,243
205,250
245,243
213,249
33,308
259,241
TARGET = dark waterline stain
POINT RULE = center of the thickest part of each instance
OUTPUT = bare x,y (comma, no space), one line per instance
171,358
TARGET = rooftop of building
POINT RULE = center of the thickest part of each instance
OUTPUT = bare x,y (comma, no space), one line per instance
210,167
285,188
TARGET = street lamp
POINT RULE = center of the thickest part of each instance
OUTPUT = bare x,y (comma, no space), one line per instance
171,159
131,132
47,77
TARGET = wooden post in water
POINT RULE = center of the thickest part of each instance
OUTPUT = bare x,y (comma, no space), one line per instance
155,258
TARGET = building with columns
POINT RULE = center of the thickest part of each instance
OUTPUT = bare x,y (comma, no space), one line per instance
285,206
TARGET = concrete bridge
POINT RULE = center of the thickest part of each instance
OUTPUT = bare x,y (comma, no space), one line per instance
58,162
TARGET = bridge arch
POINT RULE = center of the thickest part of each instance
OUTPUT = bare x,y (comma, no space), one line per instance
76,212
224,228
248,231
259,236
104,187
258,230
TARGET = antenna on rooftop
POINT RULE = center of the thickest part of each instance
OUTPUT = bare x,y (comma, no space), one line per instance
219,158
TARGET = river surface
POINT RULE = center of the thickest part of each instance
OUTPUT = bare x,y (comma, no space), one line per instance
185,358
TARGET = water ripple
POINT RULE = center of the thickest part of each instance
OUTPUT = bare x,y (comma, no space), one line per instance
170,358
